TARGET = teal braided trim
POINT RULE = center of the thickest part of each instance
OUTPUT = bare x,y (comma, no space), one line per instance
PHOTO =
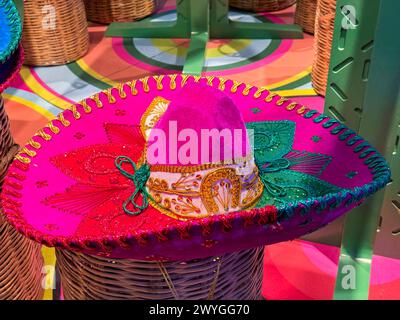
375,162
378,165
15,28
139,179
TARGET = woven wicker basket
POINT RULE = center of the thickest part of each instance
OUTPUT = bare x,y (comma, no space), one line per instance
324,25
20,259
305,14
236,276
107,11
55,31
261,5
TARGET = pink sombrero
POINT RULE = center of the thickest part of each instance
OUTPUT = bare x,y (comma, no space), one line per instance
94,180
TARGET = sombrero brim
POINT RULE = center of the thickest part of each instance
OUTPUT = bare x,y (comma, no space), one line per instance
60,190
11,29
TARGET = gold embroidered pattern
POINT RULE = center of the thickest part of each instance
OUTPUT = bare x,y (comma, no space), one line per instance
34,144
132,85
176,210
235,86
85,106
97,101
145,82
53,128
221,186
254,192
259,92
247,89
159,80
210,80
121,91
172,83
151,116
161,186
187,182
185,78
63,121
199,167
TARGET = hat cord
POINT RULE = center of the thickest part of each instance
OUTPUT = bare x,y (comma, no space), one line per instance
139,179
272,188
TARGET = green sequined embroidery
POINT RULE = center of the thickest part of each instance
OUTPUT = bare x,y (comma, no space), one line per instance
298,186
293,173
255,110
351,174
272,139
316,139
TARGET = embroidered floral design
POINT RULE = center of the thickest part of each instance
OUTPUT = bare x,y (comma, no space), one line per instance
289,175
255,110
120,112
79,135
42,184
153,113
316,139
351,174
99,186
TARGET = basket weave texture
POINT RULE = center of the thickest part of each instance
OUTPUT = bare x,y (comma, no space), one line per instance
236,276
107,11
55,31
305,15
324,25
261,5
20,259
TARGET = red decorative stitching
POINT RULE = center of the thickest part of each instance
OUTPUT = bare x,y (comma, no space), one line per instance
248,220
21,166
142,239
12,193
13,184
183,231
226,224
161,235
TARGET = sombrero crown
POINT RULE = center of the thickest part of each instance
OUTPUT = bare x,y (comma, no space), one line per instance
199,154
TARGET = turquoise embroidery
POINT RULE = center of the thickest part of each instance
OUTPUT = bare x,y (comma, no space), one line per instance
288,175
316,139
255,110
298,186
272,139
351,174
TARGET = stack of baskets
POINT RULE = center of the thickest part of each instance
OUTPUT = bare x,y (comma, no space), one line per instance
20,265
55,31
261,5
305,14
20,259
324,26
107,11
233,276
